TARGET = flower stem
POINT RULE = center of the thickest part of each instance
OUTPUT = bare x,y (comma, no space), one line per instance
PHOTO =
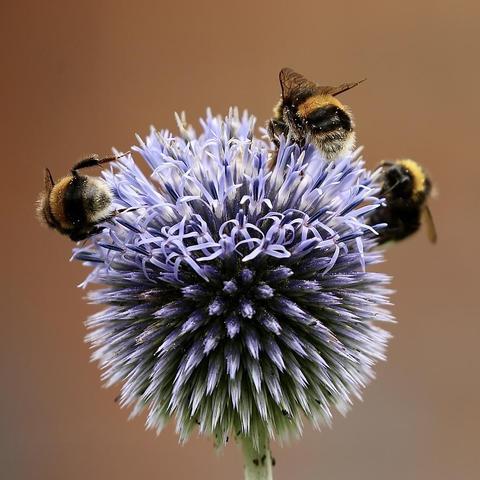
258,461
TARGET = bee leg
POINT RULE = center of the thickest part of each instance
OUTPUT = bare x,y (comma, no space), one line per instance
271,133
118,212
77,237
94,160
275,128
127,209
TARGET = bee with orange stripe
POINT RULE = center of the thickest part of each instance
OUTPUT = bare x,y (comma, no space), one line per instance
76,204
311,113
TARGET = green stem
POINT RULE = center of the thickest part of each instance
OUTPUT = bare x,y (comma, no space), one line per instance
258,462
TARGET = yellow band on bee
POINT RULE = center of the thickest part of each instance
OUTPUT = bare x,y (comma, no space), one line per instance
318,101
418,175
56,203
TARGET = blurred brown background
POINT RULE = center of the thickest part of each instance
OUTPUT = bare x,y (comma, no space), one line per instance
80,77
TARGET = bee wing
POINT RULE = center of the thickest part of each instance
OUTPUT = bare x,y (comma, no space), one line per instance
48,181
430,225
343,87
294,83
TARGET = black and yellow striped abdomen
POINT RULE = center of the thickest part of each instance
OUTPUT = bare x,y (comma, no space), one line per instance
76,204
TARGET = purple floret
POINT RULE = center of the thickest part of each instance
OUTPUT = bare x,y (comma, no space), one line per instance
237,297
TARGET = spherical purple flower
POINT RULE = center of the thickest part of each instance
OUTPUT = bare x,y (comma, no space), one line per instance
237,294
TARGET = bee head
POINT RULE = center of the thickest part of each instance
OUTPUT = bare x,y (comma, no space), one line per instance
398,181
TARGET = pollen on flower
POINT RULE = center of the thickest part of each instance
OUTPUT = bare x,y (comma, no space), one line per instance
237,298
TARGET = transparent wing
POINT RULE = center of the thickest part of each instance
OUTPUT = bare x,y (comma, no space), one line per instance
429,224
294,83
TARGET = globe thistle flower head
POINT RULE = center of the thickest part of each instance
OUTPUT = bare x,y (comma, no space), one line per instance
237,296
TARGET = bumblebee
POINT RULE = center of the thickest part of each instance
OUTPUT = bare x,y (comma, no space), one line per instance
309,112
406,189
76,204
